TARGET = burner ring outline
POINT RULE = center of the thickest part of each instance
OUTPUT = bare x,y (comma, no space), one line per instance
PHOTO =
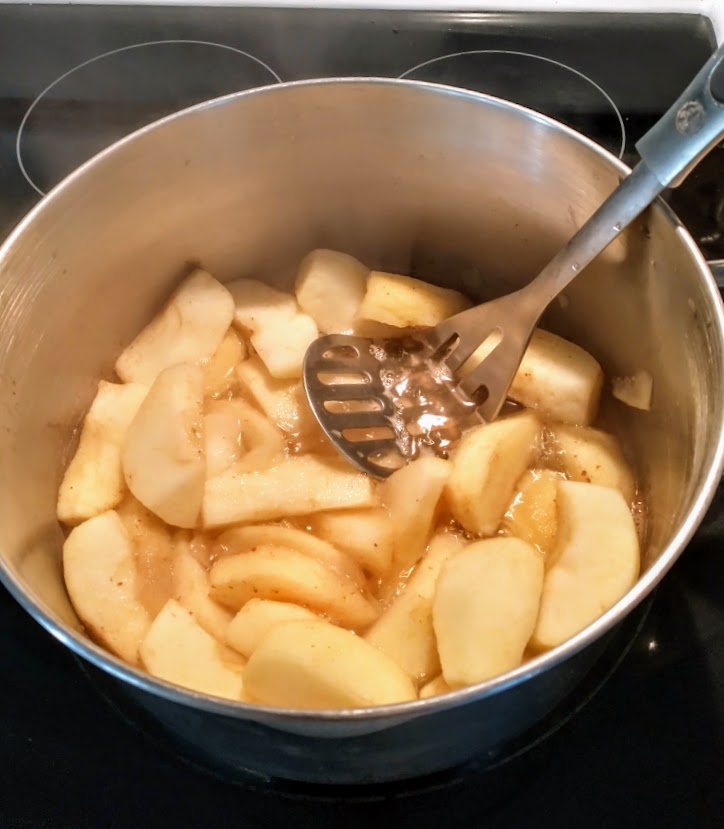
552,61
29,111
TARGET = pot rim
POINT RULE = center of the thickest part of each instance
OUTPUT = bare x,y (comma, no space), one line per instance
98,656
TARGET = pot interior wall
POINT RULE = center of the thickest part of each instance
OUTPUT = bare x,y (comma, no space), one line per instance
468,193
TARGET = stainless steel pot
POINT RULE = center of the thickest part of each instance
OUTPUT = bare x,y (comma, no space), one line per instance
463,189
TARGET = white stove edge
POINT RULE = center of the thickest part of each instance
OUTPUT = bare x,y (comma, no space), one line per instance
713,9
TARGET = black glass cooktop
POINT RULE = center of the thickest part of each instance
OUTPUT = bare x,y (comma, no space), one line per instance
646,748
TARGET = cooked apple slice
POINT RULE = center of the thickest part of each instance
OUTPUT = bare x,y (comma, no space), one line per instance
223,440
243,539
188,329
312,664
297,486
238,435
532,515
282,347
257,617
411,495
177,649
153,550
404,631
220,375
593,456
434,687
558,379
257,304
366,534
485,608
280,400
330,287
596,561
404,301
191,590
280,332
635,391
163,454
288,576
103,585
93,482
488,462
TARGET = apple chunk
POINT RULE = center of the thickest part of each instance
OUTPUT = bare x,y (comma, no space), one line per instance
330,287
434,687
532,515
93,482
282,401
163,455
488,462
404,631
191,590
188,329
280,332
403,301
595,457
365,534
312,664
411,495
177,649
243,539
297,486
558,379
289,576
596,561
485,608
220,376
103,584
257,617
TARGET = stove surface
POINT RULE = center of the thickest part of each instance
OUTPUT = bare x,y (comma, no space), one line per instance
647,748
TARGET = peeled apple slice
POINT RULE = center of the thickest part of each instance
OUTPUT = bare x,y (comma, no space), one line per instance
593,456
532,515
330,287
163,453
153,550
297,486
188,329
223,443
485,609
404,631
558,379
243,539
596,561
177,649
257,618
282,347
280,332
257,304
288,576
238,435
434,687
487,464
219,371
404,301
103,585
191,590
312,664
93,482
411,495
280,400
366,534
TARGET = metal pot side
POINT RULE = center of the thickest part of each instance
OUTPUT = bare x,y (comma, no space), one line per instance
462,189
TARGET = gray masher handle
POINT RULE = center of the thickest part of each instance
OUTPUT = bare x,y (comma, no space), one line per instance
669,151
